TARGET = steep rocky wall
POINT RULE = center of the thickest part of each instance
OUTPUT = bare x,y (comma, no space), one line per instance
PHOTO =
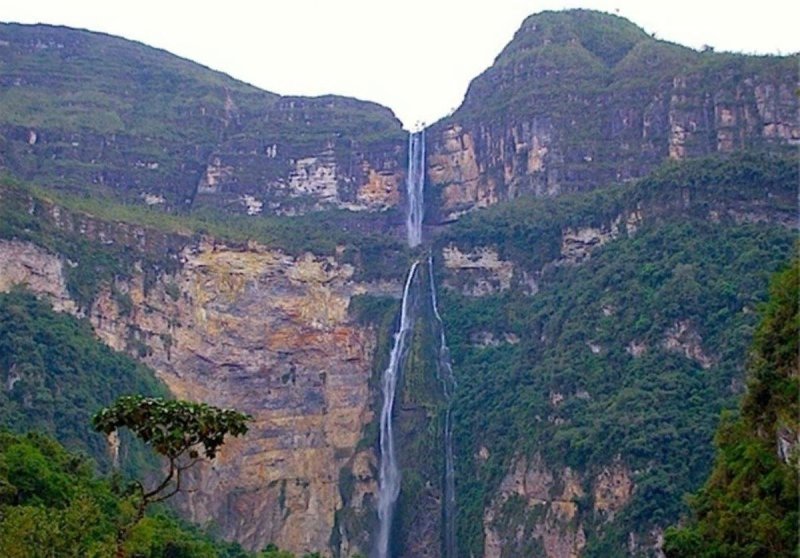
558,114
262,332
475,163
254,172
25,264
263,173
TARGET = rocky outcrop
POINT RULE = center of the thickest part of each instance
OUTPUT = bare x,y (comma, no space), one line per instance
26,265
477,273
613,488
537,509
263,332
577,243
684,339
485,339
535,513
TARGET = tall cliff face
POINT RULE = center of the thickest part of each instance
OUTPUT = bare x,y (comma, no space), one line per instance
94,113
245,327
268,334
580,99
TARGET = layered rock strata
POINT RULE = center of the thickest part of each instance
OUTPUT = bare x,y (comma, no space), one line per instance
260,331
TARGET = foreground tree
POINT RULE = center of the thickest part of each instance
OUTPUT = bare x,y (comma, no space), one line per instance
182,432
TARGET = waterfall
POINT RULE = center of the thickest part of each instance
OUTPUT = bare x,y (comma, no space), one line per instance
415,182
389,487
389,478
446,377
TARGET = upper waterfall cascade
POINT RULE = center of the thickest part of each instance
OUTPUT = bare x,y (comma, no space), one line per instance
415,182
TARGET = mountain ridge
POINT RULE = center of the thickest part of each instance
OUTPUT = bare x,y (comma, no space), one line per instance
94,112
562,108
552,117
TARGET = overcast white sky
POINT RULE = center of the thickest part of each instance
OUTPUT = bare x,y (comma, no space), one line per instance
414,56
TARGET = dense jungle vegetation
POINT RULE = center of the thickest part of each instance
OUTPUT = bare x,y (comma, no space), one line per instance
749,504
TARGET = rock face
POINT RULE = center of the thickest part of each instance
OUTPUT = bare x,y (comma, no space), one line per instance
537,510
570,106
682,338
578,243
259,170
612,490
27,265
220,143
267,334
539,507
479,272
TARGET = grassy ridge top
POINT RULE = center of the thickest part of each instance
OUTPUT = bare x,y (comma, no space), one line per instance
558,58
608,37
106,83
58,77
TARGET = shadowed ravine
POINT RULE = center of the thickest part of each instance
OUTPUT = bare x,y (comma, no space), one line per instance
448,380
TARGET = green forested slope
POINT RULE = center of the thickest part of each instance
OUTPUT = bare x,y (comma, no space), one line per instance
597,335
52,504
748,507
56,374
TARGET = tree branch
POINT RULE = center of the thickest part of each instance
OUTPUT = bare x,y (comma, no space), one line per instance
148,497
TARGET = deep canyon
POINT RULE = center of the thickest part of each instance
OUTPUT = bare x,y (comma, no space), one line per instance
584,250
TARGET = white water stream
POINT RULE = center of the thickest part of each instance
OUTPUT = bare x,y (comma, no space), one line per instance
389,487
415,182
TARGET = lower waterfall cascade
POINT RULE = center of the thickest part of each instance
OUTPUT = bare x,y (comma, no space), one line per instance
389,487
